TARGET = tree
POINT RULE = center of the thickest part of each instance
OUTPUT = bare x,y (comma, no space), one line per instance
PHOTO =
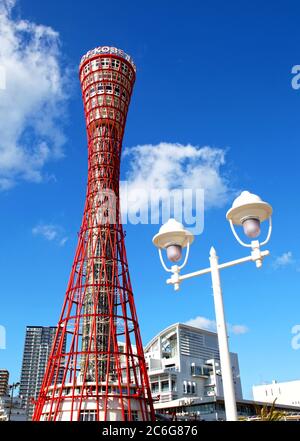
267,413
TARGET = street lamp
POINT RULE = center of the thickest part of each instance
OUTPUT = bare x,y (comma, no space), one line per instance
248,211
12,387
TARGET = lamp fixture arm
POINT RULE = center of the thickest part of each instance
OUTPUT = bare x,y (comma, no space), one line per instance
269,233
169,270
186,256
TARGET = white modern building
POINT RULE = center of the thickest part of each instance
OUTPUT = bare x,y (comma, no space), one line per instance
287,393
186,380
11,409
184,368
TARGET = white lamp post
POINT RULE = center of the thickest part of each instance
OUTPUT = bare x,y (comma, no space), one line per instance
247,210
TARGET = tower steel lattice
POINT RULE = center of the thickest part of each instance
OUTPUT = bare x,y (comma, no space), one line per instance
101,375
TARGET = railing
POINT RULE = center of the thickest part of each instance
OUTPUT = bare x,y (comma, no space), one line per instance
164,397
163,369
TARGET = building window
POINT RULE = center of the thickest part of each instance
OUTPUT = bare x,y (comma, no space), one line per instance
134,415
100,88
165,386
154,387
104,112
115,64
95,64
196,370
174,386
206,371
184,385
200,370
189,388
124,68
116,104
193,387
108,88
115,76
87,415
105,63
170,367
46,417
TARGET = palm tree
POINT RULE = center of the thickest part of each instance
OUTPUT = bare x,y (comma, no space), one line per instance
270,414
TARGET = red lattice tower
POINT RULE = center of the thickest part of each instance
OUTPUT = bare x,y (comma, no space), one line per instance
102,373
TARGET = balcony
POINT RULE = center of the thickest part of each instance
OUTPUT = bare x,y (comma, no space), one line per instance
210,393
200,371
159,368
164,397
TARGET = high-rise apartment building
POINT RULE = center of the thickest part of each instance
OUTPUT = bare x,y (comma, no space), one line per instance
4,376
38,343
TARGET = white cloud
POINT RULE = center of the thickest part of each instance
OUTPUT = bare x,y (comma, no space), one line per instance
202,323
63,241
32,101
210,325
284,260
238,329
169,166
50,232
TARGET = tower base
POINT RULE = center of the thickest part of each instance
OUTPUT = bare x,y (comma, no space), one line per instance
111,403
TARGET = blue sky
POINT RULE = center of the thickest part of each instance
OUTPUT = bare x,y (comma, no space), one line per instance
209,73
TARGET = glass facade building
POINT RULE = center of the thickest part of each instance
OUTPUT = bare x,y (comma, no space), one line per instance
37,347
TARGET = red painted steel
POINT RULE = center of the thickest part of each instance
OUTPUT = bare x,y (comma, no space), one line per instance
102,374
